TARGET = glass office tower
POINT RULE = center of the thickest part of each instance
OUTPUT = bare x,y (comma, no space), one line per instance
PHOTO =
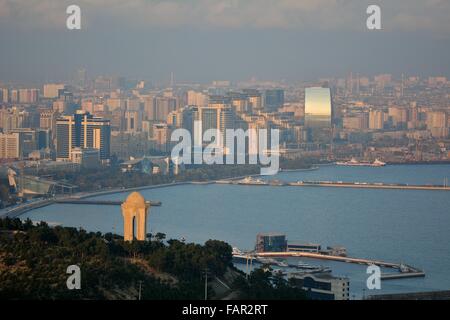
82,130
273,99
318,114
318,110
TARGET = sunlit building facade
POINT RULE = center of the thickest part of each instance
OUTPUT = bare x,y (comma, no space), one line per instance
318,113
218,115
318,108
82,130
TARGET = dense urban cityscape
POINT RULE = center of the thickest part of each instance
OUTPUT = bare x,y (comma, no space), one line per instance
222,150
398,120
108,126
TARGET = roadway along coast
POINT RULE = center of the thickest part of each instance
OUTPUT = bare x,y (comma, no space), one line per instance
20,209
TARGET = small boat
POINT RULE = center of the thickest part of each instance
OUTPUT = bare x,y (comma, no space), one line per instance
276,183
251,181
283,264
303,265
355,163
378,163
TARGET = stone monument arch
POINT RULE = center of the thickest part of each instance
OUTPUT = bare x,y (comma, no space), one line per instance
135,209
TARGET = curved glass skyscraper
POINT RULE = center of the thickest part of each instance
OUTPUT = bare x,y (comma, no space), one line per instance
318,108
318,114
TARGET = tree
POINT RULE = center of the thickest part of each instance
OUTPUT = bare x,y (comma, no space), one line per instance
160,236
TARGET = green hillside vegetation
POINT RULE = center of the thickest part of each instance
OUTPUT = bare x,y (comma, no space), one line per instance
34,260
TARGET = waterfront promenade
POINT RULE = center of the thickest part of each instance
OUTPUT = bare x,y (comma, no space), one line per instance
20,209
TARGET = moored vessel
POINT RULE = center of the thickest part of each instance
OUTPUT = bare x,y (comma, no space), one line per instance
355,163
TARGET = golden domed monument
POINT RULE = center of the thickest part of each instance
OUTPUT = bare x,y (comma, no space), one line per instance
135,209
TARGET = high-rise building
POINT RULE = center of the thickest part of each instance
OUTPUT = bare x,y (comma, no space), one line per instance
14,96
5,95
52,90
162,107
437,124
161,135
32,139
27,140
133,120
82,130
271,242
239,102
195,98
133,104
9,146
318,114
118,120
318,108
80,78
186,117
376,119
359,121
149,107
273,99
398,117
16,118
255,99
28,95
60,106
115,103
217,115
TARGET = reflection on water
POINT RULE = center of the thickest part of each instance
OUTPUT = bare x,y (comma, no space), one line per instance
392,225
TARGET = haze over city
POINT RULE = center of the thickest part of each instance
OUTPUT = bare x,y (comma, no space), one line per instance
224,150
233,40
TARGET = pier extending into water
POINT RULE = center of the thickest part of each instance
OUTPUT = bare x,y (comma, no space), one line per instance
367,185
335,184
99,202
405,271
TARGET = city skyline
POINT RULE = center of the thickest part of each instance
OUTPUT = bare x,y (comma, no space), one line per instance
319,127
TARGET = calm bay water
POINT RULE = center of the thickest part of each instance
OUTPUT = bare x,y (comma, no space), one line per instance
406,226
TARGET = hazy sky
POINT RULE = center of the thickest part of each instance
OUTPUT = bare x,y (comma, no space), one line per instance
205,40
